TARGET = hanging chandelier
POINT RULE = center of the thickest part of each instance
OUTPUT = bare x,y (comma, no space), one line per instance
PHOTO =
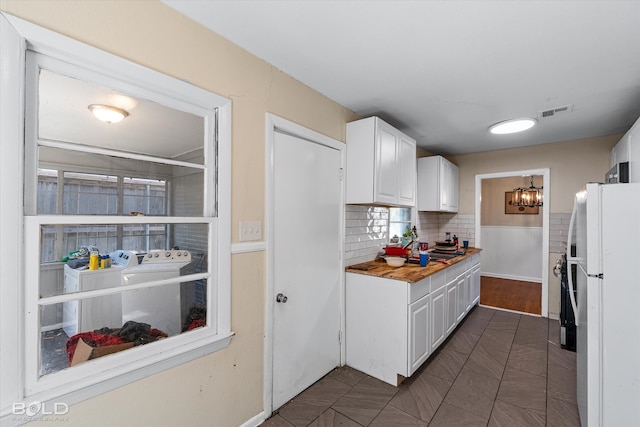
530,197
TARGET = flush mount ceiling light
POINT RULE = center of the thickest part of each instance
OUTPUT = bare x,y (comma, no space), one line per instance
512,126
107,113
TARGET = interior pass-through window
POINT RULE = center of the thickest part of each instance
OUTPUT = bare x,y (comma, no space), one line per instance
125,181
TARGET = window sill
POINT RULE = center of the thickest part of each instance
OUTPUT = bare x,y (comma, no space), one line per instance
76,392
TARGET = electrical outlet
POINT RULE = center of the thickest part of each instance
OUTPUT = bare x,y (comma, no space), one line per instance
250,230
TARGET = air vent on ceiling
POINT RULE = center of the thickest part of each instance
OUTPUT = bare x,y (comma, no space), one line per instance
555,111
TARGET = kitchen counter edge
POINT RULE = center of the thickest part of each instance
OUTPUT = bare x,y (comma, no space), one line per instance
409,272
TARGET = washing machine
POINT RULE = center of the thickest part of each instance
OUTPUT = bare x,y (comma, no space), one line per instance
158,306
90,314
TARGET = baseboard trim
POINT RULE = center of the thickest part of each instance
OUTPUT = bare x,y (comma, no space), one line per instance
508,277
51,327
254,421
510,311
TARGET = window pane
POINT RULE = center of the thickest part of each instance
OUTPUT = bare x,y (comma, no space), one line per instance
89,194
122,320
400,214
396,229
399,220
146,196
74,274
150,128
47,192
123,186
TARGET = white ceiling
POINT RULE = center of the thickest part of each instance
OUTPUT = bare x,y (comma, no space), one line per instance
444,71
151,128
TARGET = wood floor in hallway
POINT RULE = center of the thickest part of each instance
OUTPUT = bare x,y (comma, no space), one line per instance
516,295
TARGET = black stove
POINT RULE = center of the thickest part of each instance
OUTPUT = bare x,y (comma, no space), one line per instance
567,316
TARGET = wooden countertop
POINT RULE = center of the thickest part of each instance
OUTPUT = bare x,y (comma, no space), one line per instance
409,272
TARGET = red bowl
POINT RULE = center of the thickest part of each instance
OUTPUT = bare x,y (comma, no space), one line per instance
395,250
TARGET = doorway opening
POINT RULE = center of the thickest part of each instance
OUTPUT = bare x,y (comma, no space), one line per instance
524,245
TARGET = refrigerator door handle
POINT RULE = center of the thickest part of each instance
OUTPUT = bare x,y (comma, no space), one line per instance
572,298
569,263
572,223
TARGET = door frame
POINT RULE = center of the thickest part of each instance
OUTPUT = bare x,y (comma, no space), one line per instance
273,124
546,183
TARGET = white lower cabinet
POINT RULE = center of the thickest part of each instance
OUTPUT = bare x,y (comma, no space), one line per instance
393,326
438,316
462,297
475,287
471,294
452,305
419,342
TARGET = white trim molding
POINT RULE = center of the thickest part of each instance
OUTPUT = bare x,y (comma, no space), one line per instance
546,174
19,296
277,124
246,247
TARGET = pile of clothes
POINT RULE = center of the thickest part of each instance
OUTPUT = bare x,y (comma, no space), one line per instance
196,318
131,332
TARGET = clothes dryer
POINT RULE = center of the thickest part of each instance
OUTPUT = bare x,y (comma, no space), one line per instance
158,306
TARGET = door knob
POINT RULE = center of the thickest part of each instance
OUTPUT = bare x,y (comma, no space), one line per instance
281,298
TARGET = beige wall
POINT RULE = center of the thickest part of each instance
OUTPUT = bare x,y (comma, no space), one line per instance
572,165
224,388
493,203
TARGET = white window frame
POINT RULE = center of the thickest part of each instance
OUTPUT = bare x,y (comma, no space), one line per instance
19,328
410,222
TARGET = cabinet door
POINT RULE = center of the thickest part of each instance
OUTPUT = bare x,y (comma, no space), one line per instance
620,152
406,171
438,317
386,170
454,184
452,305
419,343
462,296
468,284
475,288
445,184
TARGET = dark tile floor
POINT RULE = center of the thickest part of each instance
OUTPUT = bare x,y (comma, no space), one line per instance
497,369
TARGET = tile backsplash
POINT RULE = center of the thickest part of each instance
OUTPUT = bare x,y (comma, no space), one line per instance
558,231
367,230
433,226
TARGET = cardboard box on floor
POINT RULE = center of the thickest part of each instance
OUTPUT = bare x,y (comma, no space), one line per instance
85,352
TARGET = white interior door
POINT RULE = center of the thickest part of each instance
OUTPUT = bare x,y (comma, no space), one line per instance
307,247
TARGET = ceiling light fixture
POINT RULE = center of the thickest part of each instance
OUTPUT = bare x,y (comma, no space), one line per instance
512,126
107,113
530,197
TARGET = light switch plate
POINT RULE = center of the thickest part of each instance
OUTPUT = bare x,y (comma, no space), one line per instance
250,230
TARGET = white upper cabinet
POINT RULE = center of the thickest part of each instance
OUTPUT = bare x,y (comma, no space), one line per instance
628,150
438,184
381,164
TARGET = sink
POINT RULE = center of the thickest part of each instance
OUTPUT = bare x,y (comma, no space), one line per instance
435,256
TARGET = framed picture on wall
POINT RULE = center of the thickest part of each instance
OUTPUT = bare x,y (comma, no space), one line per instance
509,208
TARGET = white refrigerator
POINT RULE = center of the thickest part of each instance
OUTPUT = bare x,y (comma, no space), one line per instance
606,223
